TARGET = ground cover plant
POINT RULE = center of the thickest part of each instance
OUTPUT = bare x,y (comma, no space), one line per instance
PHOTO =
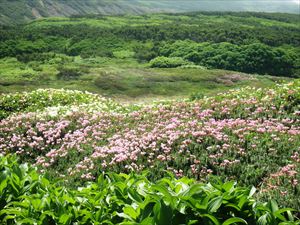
30,198
249,135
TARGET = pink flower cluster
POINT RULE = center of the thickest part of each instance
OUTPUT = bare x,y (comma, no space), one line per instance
187,138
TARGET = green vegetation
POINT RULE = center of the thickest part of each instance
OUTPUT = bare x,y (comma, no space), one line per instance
171,62
124,79
40,99
119,56
252,58
247,135
30,198
198,157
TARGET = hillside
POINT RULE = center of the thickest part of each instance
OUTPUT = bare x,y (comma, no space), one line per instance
162,118
234,156
20,11
151,56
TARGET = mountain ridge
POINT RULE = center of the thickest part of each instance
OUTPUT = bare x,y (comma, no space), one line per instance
20,11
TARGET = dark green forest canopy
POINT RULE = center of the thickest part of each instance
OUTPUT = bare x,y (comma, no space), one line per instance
248,42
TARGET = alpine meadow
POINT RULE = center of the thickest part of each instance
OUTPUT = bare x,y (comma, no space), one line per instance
149,112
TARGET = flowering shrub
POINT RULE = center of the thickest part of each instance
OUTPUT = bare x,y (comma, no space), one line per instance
249,135
43,98
29,198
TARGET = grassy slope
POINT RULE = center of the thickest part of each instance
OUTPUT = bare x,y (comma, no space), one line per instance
291,21
126,79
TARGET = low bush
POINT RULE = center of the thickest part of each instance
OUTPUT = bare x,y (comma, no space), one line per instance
108,80
30,198
66,73
123,54
40,99
168,62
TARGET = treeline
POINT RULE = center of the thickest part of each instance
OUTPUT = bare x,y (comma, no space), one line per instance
219,32
252,58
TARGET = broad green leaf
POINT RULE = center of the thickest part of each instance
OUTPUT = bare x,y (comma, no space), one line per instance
274,206
280,211
65,219
252,192
3,185
147,221
263,220
214,204
130,211
229,186
212,218
28,221
133,195
234,220
162,213
230,205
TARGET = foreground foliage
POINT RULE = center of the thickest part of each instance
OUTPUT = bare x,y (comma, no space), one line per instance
30,198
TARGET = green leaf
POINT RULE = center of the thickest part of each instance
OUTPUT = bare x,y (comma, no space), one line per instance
212,218
148,209
162,213
191,222
280,211
242,201
233,206
215,204
234,220
252,192
166,194
27,221
274,206
36,203
133,195
3,185
263,220
130,211
147,221
229,186
65,219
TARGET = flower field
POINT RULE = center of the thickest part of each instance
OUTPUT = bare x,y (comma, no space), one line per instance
248,135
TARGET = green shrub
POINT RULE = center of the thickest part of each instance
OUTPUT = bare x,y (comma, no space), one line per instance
123,54
107,81
168,62
250,58
196,96
145,52
66,73
40,99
